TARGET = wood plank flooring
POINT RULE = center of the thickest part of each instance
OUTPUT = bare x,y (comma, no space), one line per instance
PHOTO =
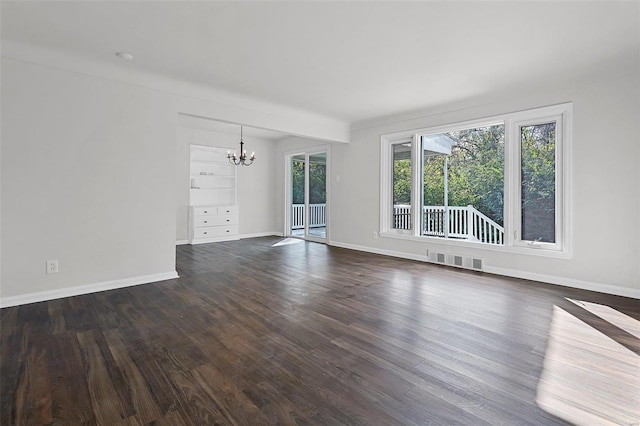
252,334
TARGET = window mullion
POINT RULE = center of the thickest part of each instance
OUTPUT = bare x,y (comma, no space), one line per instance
560,193
416,185
511,183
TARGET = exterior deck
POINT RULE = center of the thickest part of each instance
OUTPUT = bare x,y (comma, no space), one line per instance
458,222
317,223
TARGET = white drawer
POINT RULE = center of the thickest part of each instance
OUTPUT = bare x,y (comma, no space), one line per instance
208,210
215,231
227,219
228,210
198,211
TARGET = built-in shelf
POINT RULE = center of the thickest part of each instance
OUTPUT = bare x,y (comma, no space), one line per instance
213,214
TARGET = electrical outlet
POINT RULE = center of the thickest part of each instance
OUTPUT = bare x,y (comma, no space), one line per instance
375,235
52,266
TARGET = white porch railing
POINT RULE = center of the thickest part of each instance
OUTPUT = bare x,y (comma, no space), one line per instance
401,216
464,222
317,214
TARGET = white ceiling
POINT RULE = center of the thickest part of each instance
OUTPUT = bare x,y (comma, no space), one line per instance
346,60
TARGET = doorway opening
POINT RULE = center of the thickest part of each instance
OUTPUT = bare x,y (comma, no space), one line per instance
307,195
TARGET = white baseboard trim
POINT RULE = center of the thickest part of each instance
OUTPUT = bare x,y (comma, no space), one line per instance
549,279
419,257
566,282
261,234
233,238
42,296
214,240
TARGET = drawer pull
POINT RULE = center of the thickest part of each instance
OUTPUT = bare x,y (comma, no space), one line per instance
206,211
227,230
204,233
227,220
206,221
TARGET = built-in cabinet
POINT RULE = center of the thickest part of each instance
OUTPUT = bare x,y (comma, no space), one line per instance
213,212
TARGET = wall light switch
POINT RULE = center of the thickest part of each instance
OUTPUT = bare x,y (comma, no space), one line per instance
52,266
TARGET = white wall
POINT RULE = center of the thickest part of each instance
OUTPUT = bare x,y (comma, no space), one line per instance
190,98
88,170
256,190
606,194
89,178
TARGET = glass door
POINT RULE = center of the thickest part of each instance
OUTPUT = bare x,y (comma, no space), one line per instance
317,195
297,196
307,201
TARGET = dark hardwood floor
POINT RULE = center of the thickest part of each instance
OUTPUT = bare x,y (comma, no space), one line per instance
304,333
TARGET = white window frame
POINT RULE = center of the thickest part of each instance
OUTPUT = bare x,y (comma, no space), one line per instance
561,114
386,182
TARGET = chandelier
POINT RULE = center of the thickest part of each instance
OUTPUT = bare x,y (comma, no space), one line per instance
242,159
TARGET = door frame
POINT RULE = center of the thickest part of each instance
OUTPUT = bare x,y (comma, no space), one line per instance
288,156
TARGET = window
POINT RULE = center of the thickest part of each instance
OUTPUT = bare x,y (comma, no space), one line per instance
538,151
498,183
401,186
463,184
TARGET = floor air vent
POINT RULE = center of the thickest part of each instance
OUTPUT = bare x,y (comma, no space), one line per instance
476,264
456,260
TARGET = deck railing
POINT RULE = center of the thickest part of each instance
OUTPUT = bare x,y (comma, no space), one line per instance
464,223
401,216
317,216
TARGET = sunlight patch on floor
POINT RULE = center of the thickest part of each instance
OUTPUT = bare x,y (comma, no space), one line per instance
589,378
607,313
319,232
287,241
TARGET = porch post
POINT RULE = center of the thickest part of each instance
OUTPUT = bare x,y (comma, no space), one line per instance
446,196
470,224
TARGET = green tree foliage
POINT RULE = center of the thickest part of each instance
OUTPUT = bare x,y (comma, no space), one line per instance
297,181
317,182
476,176
538,182
433,182
475,169
402,181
